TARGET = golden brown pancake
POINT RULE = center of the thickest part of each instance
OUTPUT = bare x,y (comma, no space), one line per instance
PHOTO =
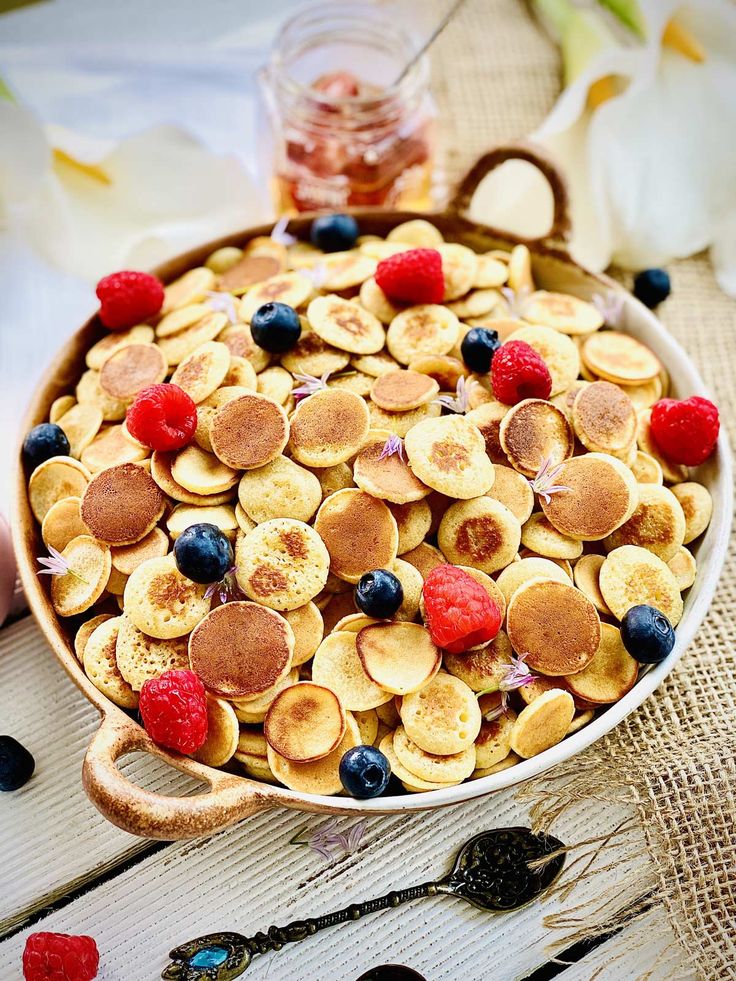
241,649
555,625
398,657
247,271
131,369
658,524
604,418
328,428
487,418
161,464
305,722
534,431
390,478
399,391
122,504
611,673
249,431
445,369
602,496
359,531
424,557
619,358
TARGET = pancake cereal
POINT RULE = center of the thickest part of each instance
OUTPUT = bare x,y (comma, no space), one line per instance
368,444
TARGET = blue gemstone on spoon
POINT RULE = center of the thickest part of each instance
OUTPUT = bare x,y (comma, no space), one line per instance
209,957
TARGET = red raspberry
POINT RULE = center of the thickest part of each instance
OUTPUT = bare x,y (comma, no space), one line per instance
459,612
687,431
128,298
174,710
412,277
162,417
60,957
518,372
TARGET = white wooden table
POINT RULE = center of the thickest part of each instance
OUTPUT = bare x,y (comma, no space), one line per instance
64,868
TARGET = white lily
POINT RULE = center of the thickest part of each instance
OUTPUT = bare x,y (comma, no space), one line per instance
645,133
92,206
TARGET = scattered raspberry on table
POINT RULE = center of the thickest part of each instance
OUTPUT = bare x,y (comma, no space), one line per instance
459,612
60,957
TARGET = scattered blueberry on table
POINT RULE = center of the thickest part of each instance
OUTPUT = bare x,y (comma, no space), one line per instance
364,772
203,553
334,233
652,287
379,594
647,634
16,764
275,327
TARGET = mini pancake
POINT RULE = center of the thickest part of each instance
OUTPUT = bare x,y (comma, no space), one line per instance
424,557
254,708
580,720
477,303
189,288
611,673
388,714
53,480
311,355
337,665
280,489
443,717
542,538
132,368
558,352
450,769
445,369
249,431
127,558
375,365
423,329
242,374
411,584
204,370
111,448
490,272
335,585
387,477
140,657
333,479
328,428
275,383
282,563
161,473
343,271
511,760
538,686
411,782
179,346
241,649
305,722
646,394
602,496
222,733
89,563
245,524
604,418
413,521
418,233
564,564
647,470
80,423
101,667
353,623
697,507
448,455
620,358
673,473
116,582
89,392
631,576
353,381
488,417
179,319
459,268
345,325
60,406
399,391
98,354
85,631
520,277
291,288
513,491
252,741
542,724
374,300
308,627
683,567
238,339
566,399
515,575
534,431
483,668
555,625
202,473
586,573
222,516
562,312
398,657
359,531
378,249
493,744
162,602
657,524
122,504
480,533
399,423
63,521
319,776
247,270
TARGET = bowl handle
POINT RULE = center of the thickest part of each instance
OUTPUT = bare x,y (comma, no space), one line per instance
539,158
150,815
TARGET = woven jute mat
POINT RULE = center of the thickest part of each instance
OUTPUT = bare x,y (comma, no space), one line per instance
495,77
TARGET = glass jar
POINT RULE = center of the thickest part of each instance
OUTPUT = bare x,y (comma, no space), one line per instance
356,134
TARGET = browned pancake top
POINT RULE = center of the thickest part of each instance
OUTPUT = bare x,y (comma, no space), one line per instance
121,503
605,415
597,502
533,431
240,649
249,431
131,369
399,391
358,531
333,418
391,474
249,270
305,722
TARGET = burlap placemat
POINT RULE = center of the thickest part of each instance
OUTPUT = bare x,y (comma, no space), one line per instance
496,75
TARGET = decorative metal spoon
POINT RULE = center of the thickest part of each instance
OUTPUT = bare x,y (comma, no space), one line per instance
491,871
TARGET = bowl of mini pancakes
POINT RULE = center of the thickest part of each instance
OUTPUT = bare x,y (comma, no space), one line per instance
394,455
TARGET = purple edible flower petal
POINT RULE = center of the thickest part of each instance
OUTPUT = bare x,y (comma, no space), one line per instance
309,385
610,307
317,274
392,446
543,481
56,565
227,589
517,674
515,300
279,233
461,400
223,303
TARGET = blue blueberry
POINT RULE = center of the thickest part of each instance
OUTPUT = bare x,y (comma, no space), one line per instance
44,441
652,286
478,347
334,233
379,594
647,634
364,772
203,553
16,764
276,327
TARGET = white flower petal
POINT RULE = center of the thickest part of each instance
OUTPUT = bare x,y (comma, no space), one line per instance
25,157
